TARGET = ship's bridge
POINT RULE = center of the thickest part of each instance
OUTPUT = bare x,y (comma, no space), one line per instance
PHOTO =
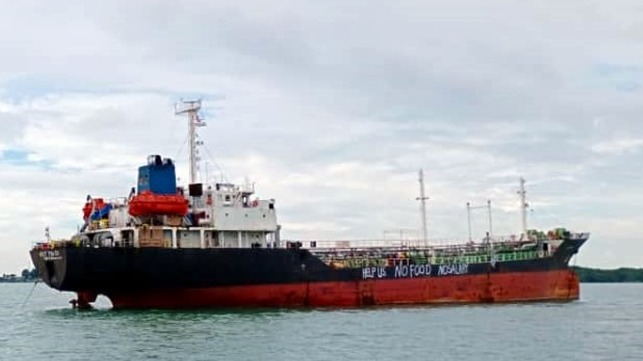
228,207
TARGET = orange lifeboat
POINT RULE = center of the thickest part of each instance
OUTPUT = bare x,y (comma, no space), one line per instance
149,204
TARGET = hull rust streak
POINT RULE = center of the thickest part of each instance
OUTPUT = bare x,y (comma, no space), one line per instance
559,285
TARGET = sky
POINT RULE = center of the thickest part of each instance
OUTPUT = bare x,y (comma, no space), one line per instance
331,108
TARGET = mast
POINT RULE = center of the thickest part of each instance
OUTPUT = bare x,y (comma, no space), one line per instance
490,224
523,206
191,108
423,198
469,220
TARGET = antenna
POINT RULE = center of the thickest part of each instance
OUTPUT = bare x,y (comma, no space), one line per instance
423,198
191,108
523,206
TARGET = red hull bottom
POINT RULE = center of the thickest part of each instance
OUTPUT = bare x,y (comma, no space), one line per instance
561,285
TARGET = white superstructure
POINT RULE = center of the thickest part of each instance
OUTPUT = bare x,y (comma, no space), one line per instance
219,214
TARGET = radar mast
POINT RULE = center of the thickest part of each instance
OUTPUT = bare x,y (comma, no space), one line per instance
191,108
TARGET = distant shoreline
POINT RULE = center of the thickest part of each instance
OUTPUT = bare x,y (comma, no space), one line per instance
25,276
619,275
585,274
18,280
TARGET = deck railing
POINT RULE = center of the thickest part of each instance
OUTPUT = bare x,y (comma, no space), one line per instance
442,244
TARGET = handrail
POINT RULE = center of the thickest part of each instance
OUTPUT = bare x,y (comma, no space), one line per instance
435,244
397,244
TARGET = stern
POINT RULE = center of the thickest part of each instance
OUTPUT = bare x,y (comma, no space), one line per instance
51,265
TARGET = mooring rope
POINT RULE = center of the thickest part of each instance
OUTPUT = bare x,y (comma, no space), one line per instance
29,295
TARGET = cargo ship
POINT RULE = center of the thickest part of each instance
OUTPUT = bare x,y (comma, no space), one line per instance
218,245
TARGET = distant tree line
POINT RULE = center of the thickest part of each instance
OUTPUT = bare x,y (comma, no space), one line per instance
603,275
25,276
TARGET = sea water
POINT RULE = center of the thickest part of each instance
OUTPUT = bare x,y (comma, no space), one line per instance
606,324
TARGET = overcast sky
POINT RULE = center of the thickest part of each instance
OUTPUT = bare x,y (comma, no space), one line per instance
331,107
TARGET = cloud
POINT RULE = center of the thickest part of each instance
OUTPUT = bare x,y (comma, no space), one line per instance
331,108
618,146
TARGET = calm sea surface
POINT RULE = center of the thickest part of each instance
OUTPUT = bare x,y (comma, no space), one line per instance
606,324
